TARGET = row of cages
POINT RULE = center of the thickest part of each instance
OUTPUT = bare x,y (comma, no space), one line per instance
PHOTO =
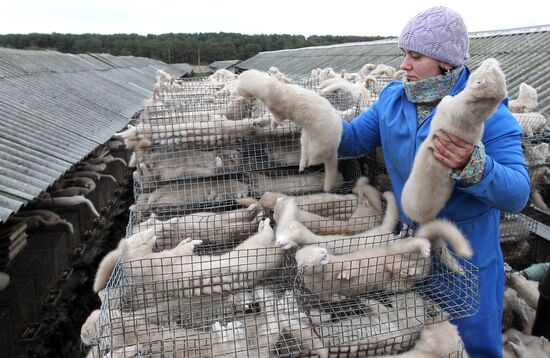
203,299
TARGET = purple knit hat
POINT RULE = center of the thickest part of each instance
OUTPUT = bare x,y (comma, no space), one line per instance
439,33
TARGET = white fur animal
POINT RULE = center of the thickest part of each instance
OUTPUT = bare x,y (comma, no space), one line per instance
531,122
196,192
321,127
393,267
171,165
290,232
276,73
429,185
527,100
292,183
364,217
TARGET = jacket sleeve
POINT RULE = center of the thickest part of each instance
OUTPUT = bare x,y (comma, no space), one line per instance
361,135
505,183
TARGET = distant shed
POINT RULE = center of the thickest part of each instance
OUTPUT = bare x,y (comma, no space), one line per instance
226,65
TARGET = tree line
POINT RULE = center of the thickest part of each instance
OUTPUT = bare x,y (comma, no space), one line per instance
173,48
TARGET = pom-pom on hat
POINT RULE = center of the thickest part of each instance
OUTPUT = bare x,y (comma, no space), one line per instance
439,33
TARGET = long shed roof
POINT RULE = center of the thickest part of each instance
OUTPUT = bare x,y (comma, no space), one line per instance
56,108
523,53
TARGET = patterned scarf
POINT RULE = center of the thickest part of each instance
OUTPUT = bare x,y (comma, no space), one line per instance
428,92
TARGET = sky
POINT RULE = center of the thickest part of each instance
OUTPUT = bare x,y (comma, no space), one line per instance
296,17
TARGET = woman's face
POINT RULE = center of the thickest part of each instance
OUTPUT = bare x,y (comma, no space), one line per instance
420,67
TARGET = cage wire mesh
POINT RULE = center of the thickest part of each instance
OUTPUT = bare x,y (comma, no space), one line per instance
200,275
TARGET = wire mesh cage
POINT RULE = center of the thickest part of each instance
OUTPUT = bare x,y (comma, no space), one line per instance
253,299
532,123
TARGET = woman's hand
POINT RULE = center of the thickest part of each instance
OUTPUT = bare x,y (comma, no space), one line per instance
454,153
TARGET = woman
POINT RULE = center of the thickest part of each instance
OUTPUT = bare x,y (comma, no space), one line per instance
489,176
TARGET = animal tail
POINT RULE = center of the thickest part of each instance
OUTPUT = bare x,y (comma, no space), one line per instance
371,193
105,269
108,176
443,229
392,214
248,201
75,200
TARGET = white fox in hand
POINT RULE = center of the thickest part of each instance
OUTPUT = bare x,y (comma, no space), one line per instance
429,185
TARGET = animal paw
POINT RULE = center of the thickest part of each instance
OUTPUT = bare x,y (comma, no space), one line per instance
344,275
285,243
196,242
424,248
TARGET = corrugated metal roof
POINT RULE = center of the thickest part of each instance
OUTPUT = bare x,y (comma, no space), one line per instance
57,108
523,54
226,64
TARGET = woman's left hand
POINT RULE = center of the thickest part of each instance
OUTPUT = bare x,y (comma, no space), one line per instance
454,153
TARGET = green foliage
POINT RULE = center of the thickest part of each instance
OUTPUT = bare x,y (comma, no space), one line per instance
173,48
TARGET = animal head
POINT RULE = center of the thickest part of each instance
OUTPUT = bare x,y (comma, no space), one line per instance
487,82
248,82
312,256
528,93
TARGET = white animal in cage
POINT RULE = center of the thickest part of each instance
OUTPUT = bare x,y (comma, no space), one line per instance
291,232
364,217
196,192
531,122
227,226
358,90
429,185
277,74
393,267
221,76
136,138
163,76
166,166
383,71
324,204
283,155
327,73
290,184
321,127
178,269
353,77
527,100
263,128
366,69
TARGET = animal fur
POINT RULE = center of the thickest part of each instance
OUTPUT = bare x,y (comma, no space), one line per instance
536,154
364,217
321,127
179,270
166,166
429,185
290,184
393,267
531,122
196,192
290,232
527,100
36,218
